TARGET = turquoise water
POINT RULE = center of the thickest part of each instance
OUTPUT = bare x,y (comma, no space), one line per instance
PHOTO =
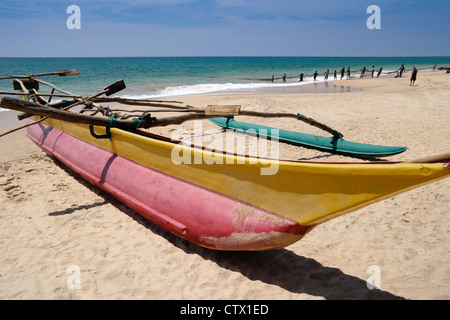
172,76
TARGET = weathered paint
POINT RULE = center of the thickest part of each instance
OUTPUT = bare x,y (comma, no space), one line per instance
194,213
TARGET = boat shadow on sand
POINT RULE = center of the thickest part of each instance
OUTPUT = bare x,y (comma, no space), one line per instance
283,267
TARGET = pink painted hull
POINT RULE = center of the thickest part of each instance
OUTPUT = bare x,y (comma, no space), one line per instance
191,212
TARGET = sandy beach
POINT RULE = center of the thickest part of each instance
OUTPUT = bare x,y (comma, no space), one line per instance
55,225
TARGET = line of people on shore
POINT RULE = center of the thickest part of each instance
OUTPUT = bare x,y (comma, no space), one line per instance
347,72
342,73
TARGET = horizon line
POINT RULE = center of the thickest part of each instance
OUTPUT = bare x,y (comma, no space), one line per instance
220,56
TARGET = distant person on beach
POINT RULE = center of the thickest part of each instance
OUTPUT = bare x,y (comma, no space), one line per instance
315,75
273,78
373,70
335,77
326,74
362,72
402,69
284,77
434,68
379,72
342,72
301,77
413,77
348,73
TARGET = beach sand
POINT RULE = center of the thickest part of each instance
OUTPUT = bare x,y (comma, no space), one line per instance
56,227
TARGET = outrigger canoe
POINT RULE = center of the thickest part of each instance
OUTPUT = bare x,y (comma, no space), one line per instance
212,198
330,144
224,206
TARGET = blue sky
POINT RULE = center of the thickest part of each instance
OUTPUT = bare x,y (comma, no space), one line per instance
224,28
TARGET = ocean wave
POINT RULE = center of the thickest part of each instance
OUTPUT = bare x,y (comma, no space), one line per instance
206,88
210,88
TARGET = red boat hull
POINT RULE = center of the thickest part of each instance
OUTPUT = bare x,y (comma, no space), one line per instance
194,213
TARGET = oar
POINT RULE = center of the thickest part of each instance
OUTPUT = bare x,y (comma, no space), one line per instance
61,73
22,85
57,95
116,86
49,112
143,102
109,90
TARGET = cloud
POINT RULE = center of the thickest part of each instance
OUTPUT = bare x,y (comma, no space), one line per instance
185,13
301,9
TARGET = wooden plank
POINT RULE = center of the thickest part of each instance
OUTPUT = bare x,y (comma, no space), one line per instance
222,110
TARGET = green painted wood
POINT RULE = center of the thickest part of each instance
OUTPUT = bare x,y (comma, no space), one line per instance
330,144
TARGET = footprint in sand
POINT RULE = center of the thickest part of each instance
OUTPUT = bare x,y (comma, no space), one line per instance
12,189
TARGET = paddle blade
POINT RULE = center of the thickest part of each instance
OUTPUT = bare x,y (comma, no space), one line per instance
28,83
115,87
68,72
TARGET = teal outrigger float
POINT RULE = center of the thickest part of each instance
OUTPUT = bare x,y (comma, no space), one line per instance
335,144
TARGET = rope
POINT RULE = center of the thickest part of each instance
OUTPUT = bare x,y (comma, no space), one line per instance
228,120
112,124
319,125
338,72
136,124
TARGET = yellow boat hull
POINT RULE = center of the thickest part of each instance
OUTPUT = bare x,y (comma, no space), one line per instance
309,193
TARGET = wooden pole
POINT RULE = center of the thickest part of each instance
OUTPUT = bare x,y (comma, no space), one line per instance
41,94
197,114
147,103
22,127
51,96
55,87
46,111
297,116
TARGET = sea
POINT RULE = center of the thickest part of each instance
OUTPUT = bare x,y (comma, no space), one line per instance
163,77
